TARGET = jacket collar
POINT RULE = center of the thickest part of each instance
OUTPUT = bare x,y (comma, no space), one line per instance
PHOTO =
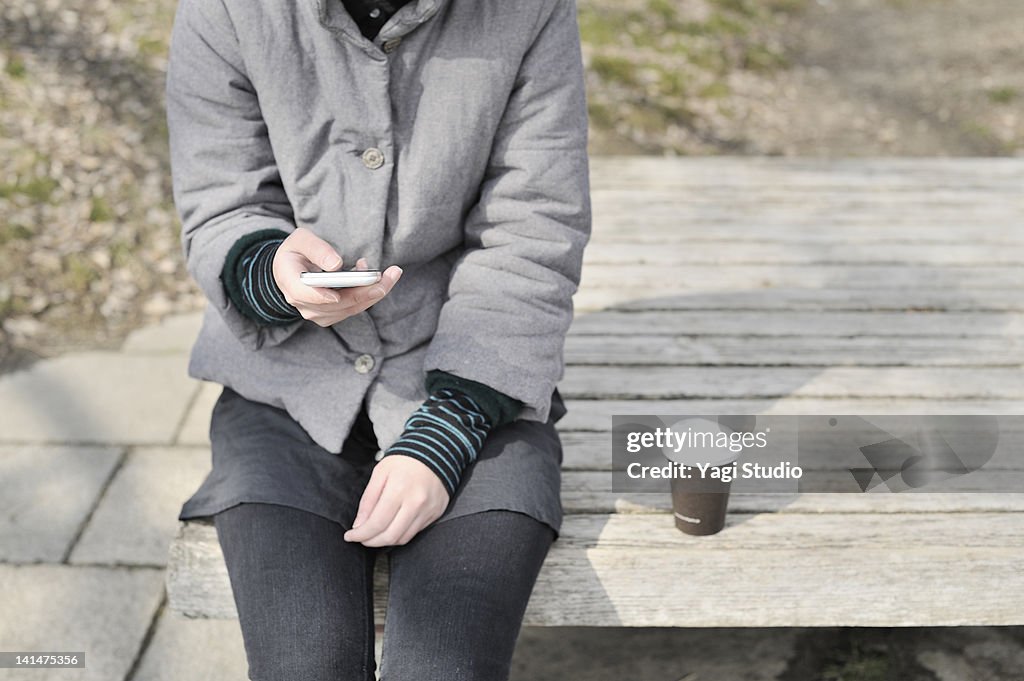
335,18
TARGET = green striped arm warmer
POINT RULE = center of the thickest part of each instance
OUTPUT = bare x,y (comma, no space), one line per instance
448,430
446,433
248,278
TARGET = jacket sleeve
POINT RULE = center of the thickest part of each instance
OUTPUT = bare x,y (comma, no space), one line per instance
225,179
510,294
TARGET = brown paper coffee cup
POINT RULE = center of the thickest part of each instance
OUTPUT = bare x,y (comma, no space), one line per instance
699,504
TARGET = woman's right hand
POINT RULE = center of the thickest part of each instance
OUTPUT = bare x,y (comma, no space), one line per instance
304,251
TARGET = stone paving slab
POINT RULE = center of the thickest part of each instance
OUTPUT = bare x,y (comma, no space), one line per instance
138,516
46,493
96,397
104,612
198,650
173,334
194,649
196,429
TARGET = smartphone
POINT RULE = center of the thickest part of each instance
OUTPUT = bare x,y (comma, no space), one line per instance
347,279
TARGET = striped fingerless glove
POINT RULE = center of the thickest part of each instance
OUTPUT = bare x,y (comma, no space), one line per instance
446,433
248,277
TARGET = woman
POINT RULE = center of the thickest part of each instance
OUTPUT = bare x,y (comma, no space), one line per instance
413,418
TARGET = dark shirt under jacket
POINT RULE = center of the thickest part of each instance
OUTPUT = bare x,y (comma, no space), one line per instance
371,15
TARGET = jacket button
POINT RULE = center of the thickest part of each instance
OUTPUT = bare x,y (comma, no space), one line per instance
364,364
373,158
390,45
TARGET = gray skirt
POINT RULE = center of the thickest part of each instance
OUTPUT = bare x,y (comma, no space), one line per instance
261,454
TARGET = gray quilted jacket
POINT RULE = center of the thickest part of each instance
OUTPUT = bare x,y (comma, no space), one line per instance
452,145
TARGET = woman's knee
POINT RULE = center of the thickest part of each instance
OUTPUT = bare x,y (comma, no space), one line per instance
458,594
303,594
309,662
492,546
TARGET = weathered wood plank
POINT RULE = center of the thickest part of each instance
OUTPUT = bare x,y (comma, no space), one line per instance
792,183
588,492
617,382
668,232
582,496
821,502
723,172
586,450
714,277
592,451
596,415
794,350
799,570
777,531
991,218
679,231
769,201
828,570
1008,326
668,297
666,187
683,230
774,253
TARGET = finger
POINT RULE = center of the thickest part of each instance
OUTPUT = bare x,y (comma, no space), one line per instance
391,275
371,494
307,295
326,296
362,264
380,509
365,296
320,253
289,267
380,517
398,528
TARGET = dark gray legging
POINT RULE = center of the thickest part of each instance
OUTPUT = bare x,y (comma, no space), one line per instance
304,595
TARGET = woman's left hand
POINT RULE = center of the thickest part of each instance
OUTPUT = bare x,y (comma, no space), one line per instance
402,497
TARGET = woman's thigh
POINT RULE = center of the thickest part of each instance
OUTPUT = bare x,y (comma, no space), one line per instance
458,592
304,595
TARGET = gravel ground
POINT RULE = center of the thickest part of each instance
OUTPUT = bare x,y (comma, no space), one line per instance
806,77
87,228
895,78
89,244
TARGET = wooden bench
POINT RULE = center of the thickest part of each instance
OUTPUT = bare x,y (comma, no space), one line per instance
775,286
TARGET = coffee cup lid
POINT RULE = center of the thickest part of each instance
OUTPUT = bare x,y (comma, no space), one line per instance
700,440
